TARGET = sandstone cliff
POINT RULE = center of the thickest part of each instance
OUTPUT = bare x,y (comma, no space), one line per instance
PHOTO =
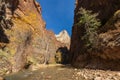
24,40
62,55
63,37
106,54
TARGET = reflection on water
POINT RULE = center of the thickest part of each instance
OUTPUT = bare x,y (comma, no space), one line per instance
48,73
23,75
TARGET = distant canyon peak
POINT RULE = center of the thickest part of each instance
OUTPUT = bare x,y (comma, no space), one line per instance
63,37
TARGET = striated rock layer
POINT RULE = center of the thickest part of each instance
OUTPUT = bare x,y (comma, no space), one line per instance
24,41
106,55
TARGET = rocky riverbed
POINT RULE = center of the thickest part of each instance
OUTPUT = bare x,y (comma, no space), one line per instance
65,73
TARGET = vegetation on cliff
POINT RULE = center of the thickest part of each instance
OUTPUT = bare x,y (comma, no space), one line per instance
105,40
91,24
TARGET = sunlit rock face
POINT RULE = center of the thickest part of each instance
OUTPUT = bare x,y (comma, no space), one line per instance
24,41
63,37
106,55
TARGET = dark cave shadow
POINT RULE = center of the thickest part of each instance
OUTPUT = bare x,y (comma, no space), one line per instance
63,53
3,37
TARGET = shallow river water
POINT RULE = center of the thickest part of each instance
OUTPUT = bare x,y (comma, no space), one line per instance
65,73
47,73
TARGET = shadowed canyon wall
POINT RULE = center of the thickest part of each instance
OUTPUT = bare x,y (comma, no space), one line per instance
106,54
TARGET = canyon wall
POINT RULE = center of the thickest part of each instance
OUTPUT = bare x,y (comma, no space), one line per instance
106,54
24,41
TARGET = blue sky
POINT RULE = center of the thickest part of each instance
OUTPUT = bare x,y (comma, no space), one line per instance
58,14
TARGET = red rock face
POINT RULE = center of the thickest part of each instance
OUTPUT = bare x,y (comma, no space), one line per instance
107,52
23,38
22,28
28,27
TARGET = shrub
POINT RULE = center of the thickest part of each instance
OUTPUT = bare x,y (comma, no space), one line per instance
58,57
90,23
